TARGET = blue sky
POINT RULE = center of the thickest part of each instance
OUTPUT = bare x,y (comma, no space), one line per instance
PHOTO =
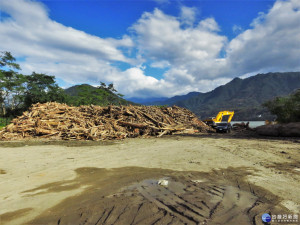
113,18
152,48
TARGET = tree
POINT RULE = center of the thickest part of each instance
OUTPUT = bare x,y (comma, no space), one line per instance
101,95
6,59
111,87
102,85
42,88
12,84
90,96
18,92
287,109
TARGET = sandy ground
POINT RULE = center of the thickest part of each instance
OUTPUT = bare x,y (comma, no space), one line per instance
216,179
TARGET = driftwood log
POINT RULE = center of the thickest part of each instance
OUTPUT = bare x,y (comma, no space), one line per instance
60,121
280,130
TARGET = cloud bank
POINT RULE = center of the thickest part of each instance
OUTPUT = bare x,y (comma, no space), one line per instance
271,45
193,54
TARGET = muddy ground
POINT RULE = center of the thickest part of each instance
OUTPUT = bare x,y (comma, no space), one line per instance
211,179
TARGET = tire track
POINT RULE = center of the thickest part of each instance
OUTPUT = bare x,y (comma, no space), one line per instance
181,201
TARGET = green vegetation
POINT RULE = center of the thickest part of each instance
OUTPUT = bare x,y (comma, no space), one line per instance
4,121
103,95
18,92
287,109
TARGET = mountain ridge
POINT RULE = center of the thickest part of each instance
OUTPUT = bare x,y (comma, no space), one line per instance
244,96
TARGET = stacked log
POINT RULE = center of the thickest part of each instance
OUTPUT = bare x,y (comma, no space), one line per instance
60,121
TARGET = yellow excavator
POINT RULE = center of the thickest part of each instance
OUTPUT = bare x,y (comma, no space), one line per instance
213,121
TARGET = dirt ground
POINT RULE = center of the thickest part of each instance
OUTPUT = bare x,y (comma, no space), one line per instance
206,179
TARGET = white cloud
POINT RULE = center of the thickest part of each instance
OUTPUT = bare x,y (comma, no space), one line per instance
271,45
209,24
187,48
188,15
29,32
160,64
193,53
237,29
52,48
161,38
147,86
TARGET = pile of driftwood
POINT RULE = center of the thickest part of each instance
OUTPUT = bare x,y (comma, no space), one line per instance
60,121
241,126
280,130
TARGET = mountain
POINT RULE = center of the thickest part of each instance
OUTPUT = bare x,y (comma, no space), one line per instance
174,100
74,90
147,100
163,100
244,96
86,94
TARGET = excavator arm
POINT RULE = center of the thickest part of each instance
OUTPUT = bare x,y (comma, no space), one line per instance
218,119
230,117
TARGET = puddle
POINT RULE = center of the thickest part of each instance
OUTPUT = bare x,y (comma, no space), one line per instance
198,181
133,195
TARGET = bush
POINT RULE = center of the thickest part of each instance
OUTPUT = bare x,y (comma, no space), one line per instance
287,109
4,121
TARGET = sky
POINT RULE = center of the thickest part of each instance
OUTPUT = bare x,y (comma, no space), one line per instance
152,48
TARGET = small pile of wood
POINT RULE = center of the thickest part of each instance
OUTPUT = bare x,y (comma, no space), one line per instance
60,121
241,126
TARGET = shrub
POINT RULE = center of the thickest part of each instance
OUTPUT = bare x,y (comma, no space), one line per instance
287,109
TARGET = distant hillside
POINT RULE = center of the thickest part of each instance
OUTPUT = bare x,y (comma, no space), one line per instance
163,100
147,100
87,94
244,96
174,100
74,90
